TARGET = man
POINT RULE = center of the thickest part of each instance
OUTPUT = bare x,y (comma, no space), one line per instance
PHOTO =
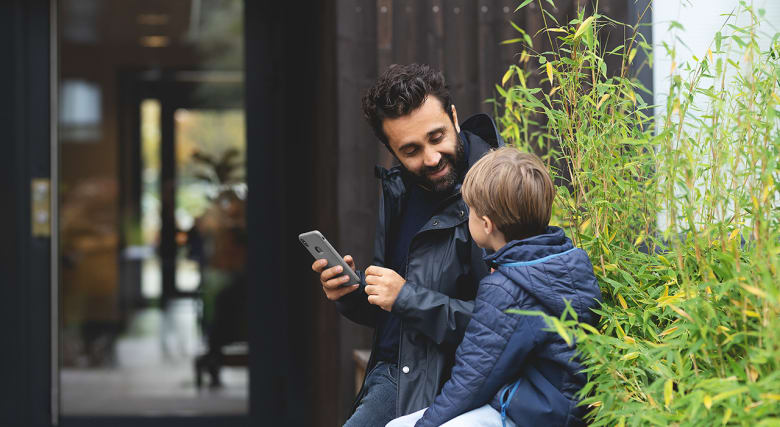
418,293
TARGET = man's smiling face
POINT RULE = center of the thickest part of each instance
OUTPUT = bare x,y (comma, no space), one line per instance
426,143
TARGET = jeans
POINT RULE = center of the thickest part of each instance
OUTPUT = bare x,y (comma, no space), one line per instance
484,416
377,407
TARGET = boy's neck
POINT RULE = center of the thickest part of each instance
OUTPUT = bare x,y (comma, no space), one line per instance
496,240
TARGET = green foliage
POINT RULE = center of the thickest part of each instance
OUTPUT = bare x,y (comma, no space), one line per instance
680,215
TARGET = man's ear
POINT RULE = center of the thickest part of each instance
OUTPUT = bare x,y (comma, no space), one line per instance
455,118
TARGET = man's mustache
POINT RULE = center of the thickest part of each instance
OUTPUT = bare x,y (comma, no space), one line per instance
428,170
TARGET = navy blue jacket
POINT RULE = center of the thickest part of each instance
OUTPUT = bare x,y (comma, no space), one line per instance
501,349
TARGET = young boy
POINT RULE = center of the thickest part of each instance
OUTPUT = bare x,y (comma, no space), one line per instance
508,368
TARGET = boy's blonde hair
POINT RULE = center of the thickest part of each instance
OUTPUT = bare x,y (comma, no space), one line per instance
513,189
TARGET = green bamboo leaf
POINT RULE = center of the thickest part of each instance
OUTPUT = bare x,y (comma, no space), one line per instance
668,392
584,26
511,41
523,4
561,331
506,77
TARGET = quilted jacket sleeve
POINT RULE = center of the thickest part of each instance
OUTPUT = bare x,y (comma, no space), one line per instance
493,348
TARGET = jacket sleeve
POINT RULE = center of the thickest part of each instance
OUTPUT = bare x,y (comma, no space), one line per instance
491,353
441,318
354,305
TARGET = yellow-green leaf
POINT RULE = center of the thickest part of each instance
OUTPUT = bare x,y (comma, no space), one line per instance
726,394
631,96
681,312
622,302
589,328
707,401
524,56
630,356
631,55
668,392
668,331
765,193
584,225
726,417
755,291
561,331
549,72
620,329
601,101
506,77
584,26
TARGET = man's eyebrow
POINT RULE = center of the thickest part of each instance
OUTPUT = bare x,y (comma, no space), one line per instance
408,144
430,134
437,130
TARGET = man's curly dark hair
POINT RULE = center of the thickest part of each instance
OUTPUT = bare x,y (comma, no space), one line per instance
400,90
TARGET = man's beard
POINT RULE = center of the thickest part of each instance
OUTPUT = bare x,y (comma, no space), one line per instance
446,183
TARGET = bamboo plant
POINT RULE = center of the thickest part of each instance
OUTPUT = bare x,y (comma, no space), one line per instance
679,212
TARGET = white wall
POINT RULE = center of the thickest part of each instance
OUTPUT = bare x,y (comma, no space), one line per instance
701,20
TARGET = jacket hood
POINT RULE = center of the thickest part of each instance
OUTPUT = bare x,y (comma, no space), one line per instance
485,128
551,269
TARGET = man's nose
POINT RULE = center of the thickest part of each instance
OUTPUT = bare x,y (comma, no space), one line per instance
432,157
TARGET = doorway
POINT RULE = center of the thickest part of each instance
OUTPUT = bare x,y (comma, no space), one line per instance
152,209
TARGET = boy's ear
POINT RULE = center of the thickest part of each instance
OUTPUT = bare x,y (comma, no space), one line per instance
487,225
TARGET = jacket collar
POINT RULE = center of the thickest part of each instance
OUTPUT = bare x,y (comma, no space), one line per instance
531,250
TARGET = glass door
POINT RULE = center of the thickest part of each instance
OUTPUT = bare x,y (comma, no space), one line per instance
152,209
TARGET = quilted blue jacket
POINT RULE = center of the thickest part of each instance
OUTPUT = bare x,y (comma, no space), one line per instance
512,358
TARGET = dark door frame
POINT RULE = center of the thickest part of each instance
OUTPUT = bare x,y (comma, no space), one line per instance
28,389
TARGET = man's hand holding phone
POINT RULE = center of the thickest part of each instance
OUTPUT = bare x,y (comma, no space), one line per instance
333,278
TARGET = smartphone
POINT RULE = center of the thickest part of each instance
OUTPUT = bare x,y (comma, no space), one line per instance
320,248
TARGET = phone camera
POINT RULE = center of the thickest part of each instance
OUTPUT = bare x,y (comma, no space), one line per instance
317,248
304,243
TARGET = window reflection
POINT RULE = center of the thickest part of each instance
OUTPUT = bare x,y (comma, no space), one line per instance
153,229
